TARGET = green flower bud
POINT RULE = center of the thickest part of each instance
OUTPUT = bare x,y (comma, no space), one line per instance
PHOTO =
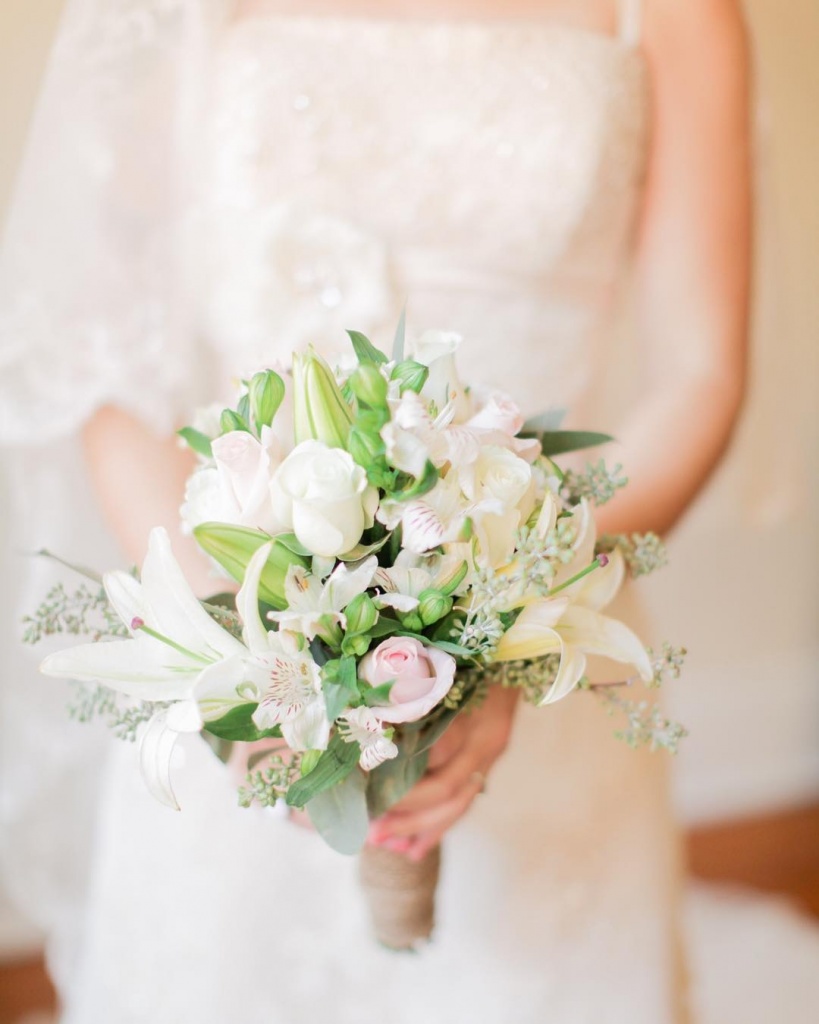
357,646
320,412
411,621
361,614
230,421
266,392
411,376
368,385
366,448
433,605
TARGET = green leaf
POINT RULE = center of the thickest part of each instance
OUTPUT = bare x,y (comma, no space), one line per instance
444,645
238,724
335,764
419,486
558,442
400,337
339,815
339,684
292,543
378,696
197,441
364,550
365,350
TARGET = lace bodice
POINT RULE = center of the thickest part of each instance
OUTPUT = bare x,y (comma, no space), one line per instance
485,173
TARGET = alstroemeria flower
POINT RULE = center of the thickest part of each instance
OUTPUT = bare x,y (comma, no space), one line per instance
362,726
309,600
282,671
436,518
574,628
405,581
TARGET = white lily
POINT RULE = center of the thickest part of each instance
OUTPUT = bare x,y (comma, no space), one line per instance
175,651
362,726
282,671
573,627
309,601
173,639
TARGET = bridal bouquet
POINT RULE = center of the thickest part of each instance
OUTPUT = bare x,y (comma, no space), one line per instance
401,541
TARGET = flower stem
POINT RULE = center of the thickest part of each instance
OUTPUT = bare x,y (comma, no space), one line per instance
598,563
138,624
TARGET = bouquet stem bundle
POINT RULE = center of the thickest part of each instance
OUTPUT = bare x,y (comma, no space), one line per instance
400,894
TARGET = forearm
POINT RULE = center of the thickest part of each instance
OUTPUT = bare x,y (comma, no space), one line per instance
139,482
668,449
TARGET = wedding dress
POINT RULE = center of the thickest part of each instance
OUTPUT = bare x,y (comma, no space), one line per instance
489,174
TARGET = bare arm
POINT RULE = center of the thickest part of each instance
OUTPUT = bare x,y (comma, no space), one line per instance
693,261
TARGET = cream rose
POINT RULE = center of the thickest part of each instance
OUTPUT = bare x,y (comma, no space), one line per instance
323,496
497,411
504,484
421,676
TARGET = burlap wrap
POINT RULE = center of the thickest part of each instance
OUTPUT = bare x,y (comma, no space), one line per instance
400,894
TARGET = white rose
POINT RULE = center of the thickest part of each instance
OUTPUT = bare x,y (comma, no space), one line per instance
504,482
236,487
497,411
436,350
323,496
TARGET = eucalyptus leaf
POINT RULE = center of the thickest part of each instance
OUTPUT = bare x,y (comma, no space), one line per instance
558,442
335,764
339,814
393,779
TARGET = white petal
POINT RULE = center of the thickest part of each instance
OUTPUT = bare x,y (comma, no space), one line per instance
125,666
217,690
533,634
175,608
594,633
599,588
247,601
345,584
310,729
401,602
155,752
126,595
572,667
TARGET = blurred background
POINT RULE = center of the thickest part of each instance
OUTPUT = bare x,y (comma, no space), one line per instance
747,781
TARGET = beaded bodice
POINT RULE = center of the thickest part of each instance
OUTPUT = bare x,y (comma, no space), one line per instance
485,173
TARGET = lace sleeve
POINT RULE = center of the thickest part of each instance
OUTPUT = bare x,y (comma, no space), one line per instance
94,305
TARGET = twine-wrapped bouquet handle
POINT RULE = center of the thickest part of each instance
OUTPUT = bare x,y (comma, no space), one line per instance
400,894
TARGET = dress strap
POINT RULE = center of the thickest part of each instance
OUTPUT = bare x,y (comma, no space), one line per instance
631,18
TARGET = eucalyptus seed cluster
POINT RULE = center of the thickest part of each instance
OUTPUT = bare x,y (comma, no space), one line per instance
645,726
597,483
667,664
266,786
122,717
533,678
643,552
471,686
85,611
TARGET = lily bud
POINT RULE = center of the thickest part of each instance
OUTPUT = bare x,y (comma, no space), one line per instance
368,385
320,412
230,421
433,606
361,614
233,547
266,391
411,376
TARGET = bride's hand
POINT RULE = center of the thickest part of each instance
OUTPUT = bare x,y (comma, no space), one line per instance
459,765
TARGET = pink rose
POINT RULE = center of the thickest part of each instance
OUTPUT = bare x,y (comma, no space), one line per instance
422,677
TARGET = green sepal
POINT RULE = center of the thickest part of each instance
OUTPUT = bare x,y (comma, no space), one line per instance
237,725
231,420
411,376
334,765
196,441
378,696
